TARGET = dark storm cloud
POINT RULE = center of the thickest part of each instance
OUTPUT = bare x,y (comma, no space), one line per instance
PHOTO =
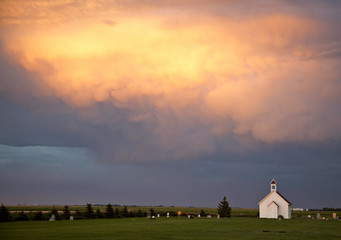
278,116
51,175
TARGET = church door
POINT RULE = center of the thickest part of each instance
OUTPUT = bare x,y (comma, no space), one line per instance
273,211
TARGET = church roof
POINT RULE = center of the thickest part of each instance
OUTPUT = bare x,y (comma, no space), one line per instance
289,203
284,198
273,181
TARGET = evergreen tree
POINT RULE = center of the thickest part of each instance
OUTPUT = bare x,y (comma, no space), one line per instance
109,211
55,213
99,214
78,215
66,212
202,213
5,216
124,212
152,212
139,213
89,211
117,213
223,208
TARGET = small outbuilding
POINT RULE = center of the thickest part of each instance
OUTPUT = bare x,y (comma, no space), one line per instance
274,204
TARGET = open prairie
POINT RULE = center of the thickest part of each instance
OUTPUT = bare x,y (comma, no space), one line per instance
173,228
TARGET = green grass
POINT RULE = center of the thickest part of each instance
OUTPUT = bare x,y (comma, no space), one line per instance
173,228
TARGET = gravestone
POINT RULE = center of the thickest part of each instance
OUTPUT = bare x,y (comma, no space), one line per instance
189,216
318,215
209,216
52,218
149,214
309,216
158,215
218,216
71,218
199,216
334,215
168,214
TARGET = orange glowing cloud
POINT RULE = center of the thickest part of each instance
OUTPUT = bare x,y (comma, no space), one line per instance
238,76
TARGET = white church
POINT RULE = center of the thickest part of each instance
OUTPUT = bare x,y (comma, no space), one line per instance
274,204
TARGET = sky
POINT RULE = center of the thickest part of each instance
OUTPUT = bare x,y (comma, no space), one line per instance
174,103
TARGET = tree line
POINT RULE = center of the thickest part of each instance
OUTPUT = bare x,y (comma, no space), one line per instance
110,212
88,213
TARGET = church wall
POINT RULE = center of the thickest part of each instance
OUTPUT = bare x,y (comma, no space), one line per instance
265,211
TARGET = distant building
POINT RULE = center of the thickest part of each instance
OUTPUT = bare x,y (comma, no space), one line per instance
274,204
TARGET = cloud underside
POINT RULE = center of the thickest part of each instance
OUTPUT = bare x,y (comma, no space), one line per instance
177,81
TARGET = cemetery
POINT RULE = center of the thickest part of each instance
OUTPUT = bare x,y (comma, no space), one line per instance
274,219
167,223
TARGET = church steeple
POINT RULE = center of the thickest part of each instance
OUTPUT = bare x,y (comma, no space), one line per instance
273,185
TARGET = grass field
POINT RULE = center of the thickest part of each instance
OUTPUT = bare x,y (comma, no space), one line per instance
173,228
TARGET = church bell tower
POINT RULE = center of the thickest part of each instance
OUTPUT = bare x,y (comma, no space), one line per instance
273,185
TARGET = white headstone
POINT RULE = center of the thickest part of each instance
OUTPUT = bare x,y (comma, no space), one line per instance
189,216
199,216
158,215
168,214
209,216
218,216
318,215
52,218
71,218
334,215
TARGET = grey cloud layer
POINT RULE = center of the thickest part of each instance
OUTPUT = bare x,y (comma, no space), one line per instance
271,110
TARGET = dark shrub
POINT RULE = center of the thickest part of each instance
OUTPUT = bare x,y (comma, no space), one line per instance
21,217
38,216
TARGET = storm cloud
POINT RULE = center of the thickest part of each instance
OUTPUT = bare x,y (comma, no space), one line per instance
176,83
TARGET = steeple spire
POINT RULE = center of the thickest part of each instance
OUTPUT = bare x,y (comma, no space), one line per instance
273,185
